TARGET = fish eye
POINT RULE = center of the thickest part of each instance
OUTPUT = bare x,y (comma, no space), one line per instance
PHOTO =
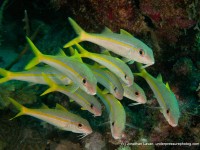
115,89
137,93
91,105
125,76
84,80
167,111
80,125
141,52
113,123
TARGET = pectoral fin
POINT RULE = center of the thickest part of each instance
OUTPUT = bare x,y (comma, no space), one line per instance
73,87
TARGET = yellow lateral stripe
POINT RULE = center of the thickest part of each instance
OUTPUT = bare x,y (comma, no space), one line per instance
156,88
115,41
30,74
107,61
61,88
101,76
32,111
63,65
102,96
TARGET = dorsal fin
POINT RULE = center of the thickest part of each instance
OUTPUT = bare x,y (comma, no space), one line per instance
43,106
71,100
61,53
71,51
81,49
96,65
82,108
159,77
167,86
105,52
122,31
60,107
107,30
105,91
76,56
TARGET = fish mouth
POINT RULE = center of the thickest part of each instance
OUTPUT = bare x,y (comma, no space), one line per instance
142,101
117,137
89,132
172,123
91,90
97,113
118,96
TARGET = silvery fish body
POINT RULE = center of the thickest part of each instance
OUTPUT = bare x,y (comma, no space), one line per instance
109,81
165,97
116,112
115,65
74,69
123,44
62,119
86,101
34,75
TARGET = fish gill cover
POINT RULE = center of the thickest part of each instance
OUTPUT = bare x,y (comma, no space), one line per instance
160,104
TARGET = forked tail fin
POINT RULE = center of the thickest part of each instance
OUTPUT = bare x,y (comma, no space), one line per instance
52,85
36,60
82,35
20,107
5,75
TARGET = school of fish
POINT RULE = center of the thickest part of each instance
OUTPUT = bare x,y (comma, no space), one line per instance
105,77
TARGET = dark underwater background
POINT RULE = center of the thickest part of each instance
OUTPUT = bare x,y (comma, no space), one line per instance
170,27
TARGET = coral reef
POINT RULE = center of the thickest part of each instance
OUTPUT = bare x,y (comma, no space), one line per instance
167,16
65,144
94,142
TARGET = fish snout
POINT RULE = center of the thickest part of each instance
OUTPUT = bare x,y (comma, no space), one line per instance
118,95
173,123
97,112
117,134
142,100
88,130
149,61
91,89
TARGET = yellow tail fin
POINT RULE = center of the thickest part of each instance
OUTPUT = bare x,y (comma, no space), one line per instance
82,35
5,75
82,50
21,108
36,60
52,85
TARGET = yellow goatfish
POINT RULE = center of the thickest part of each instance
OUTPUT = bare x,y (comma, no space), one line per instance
86,101
165,97
109,80
74,69
123,44
34,75
116,112
63,119
115,65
